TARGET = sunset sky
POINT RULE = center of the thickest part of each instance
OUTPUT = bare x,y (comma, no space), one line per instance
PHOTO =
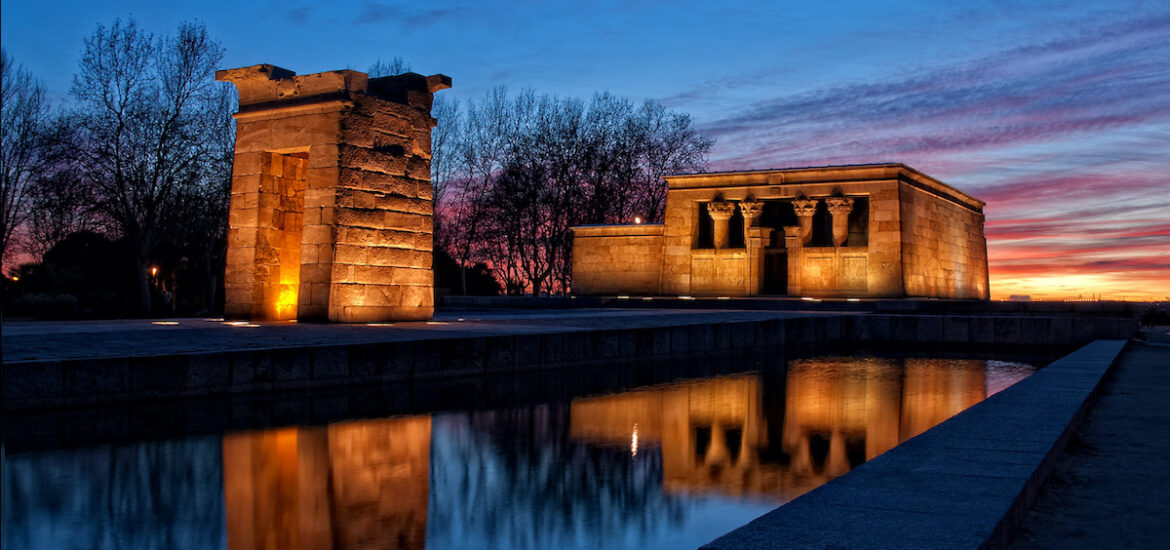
1055,113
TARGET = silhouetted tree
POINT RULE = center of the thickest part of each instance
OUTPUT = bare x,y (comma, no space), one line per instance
526,168
149,113
24,123
60,206
388,68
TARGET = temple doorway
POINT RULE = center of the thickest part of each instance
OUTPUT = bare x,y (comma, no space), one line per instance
775,272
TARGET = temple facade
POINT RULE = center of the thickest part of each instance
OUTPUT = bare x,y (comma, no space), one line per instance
861,231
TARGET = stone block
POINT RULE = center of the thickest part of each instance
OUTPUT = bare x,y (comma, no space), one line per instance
552,348
163,376
662,344
956,329
96,377
39,382
930,330
330,363
501,354
1007,330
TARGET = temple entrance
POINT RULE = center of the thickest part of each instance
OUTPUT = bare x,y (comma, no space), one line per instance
775,272
282,197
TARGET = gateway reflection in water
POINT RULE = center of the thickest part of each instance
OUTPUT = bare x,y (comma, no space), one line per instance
666,466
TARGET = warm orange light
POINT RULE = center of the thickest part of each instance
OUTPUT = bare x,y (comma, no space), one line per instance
637,219
634,442
153,271
286,303
1074,286
15,278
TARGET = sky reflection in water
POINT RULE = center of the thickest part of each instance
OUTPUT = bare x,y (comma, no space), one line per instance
708,455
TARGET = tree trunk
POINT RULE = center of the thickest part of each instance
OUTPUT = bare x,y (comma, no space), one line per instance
142,274
463,277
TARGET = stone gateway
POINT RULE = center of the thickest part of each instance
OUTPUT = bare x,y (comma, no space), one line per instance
863,231
331,202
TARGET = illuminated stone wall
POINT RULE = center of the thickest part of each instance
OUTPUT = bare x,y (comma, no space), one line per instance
613,259
853,231
944,251
336,165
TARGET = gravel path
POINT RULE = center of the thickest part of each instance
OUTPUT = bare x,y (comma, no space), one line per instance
1112,487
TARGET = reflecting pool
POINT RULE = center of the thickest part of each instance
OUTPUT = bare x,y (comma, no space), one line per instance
662,465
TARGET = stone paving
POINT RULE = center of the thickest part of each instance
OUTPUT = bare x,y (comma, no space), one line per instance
50,341
1111,489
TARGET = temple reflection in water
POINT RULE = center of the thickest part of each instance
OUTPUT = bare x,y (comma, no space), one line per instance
780,438
519,474
663,466
350,485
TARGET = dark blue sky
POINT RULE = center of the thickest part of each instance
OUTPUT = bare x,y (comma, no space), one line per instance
1056,113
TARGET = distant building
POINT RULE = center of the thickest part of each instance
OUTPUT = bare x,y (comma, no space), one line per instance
866,231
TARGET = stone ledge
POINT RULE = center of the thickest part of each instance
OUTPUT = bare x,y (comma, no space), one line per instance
165,369
965,483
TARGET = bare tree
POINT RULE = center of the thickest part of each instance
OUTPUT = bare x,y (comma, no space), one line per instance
382,68
669,145
23,152
59,207
443,140
480,152
147,109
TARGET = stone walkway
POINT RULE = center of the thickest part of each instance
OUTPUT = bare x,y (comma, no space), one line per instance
61,340
1112,487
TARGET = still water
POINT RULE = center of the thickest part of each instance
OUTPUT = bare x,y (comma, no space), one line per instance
669,465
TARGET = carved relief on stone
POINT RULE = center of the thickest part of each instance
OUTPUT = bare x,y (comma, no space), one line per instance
805,208
839,208
751,209
720,212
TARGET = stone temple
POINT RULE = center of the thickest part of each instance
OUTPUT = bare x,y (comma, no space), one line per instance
859,231
331,203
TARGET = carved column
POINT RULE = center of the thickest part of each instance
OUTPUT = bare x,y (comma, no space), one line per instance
794,242
751,210
721,212
757,238
754,238
805,208
840,207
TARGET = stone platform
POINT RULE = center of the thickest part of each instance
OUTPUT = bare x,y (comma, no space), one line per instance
53,364
965,483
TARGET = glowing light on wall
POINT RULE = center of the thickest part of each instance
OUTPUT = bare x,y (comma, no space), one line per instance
634,442
286,301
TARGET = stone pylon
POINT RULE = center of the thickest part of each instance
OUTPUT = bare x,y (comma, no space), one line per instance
331,204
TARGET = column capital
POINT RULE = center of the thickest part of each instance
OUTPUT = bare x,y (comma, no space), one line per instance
839,205
721,210
805,206
839,208
751,208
